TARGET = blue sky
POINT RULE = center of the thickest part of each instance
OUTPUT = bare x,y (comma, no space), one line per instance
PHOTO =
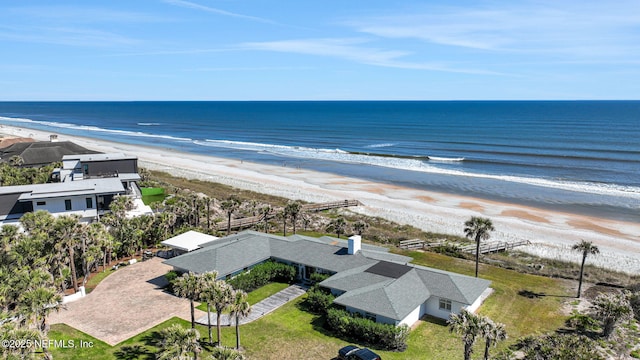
319,50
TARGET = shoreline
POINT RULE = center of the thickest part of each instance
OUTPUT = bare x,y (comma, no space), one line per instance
551,232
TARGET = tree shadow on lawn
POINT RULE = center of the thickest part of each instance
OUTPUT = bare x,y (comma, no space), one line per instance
134,352
537,295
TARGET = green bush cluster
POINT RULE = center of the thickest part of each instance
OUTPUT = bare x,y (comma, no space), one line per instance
363,330
262,274
319,300
170,276
317,278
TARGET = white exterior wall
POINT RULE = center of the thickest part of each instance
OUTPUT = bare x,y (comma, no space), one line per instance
476,304
413,316
56,206
432,307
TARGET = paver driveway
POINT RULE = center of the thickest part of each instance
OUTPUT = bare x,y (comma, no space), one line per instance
126,303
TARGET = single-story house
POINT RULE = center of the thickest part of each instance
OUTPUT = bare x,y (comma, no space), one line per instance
365,278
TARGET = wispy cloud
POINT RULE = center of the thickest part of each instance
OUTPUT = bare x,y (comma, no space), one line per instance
559,27
81,14
251,68
352,49
73,36
195,6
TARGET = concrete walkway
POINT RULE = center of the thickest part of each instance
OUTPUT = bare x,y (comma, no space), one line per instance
261,308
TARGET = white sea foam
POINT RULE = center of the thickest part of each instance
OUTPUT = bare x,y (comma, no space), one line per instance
445,159
383,145
421,166
94,129
149,124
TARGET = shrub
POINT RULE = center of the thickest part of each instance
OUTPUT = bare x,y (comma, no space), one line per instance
262,274
319,300
316,278
360,329
170,276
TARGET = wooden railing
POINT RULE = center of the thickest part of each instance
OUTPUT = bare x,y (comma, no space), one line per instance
487,248
412,244
253,220
331,205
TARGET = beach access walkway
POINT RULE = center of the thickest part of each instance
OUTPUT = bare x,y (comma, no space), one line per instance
261,308
252,220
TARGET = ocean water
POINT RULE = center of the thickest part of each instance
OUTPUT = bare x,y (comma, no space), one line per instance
579,156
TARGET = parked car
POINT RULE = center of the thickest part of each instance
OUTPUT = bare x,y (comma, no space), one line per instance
352,352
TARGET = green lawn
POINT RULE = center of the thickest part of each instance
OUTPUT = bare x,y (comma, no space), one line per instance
291,333
258,294
96,279
150,195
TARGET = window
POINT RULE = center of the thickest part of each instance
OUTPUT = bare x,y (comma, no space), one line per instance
67,204
445,304
41,203
89,203
86,169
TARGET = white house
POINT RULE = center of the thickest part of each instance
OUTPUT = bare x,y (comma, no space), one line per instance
366,279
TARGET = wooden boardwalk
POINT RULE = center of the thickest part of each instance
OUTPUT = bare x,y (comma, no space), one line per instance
253,220
486,248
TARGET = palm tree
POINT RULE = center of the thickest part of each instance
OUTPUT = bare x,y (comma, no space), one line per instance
610,309
479,229
36,304
360,226
240,308
265,211
586,248
208,283
468,325
337,225
492,333
293,210
188,286
67,231
231,205
177,342
221,299
221,353
16,160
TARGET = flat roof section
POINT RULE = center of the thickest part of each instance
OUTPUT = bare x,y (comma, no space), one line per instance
389,269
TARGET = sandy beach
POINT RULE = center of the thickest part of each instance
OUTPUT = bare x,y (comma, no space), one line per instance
551,233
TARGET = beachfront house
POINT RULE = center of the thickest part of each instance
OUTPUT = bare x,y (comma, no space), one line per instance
40,153
366,279
88,199
84,186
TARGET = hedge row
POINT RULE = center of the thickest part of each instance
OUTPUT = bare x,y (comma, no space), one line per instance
262,274
363,330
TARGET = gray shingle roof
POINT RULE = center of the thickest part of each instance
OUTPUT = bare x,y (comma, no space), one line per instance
373,280
42,152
